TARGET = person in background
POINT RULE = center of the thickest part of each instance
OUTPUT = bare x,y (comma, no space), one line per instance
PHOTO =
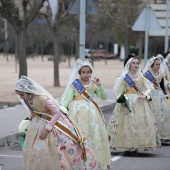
79,99
159,103
165,54
53,141
132,126
133,52
166,64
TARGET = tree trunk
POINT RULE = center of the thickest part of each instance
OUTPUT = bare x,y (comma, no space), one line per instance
126,43
21,52
56,56
42,50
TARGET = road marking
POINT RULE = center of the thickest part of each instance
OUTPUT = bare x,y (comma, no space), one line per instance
10,108
115,158
12,156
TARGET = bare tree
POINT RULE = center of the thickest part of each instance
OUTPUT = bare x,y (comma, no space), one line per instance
123,14
19,13
60,14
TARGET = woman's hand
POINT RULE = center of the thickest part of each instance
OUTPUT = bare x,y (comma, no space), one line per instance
44,134
141,97
97,81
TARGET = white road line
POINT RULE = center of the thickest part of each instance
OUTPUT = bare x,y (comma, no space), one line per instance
12,156
115,158
10,108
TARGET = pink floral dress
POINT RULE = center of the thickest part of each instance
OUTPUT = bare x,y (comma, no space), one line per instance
57,151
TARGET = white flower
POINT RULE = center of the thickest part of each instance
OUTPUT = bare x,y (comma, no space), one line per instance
23,126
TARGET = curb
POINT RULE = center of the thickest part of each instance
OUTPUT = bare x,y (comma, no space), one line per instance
9,140
14,138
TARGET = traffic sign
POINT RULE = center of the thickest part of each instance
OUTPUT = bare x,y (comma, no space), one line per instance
145,15
90,7
146,21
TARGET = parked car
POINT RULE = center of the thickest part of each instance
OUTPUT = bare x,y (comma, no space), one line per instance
99,53
104,54
110,55
87,53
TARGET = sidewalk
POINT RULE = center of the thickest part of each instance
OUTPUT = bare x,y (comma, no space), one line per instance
12,116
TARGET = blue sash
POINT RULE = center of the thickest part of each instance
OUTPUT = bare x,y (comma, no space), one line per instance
77,84
26,102
168,65
129,81
150,77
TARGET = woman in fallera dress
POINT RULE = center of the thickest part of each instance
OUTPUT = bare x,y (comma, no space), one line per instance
166,65
78,98
53,141
159,103
132,127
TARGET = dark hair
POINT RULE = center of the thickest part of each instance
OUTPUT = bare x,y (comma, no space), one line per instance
85,66
154,62
135,58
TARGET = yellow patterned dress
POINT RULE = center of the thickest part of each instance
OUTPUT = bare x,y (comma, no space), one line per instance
161,109
135,130
90,121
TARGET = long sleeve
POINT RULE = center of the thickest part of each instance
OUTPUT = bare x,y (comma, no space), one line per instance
163,86
69,97
120,86
55,111
101,93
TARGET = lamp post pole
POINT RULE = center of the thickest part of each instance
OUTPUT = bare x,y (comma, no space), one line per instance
82,28
167,26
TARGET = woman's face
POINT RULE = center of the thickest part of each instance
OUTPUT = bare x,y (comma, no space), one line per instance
156,65
23,95
134,65
85,73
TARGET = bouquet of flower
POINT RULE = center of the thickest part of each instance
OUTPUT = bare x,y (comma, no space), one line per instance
22,130
123,99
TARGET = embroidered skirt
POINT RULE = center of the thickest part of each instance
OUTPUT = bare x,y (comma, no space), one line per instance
91,124
161,111
136,130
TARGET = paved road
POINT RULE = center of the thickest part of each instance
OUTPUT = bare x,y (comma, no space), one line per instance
11,157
